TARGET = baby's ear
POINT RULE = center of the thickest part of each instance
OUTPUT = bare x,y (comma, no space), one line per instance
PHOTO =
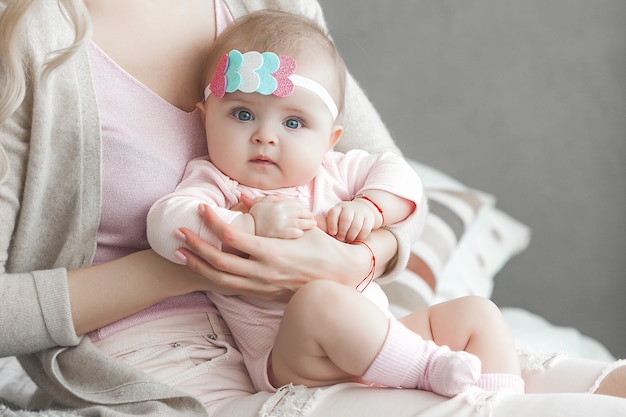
335,136
200,106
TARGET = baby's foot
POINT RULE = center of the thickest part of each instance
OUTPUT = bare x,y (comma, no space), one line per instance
451,373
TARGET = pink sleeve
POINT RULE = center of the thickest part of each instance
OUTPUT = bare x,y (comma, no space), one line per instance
202,184
386,171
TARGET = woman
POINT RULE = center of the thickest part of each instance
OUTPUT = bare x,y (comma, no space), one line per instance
73,256
100,220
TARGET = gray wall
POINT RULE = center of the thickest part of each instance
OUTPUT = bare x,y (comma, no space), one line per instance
526,100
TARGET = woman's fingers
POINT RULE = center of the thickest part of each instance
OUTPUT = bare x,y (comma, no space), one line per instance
227,283
275,268
252,245
221,261
255,276
259,248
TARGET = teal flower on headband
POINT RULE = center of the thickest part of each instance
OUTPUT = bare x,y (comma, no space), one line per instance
263,73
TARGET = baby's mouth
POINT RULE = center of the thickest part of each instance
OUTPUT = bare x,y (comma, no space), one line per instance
262,160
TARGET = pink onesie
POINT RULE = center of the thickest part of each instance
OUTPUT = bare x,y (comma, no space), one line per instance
254,323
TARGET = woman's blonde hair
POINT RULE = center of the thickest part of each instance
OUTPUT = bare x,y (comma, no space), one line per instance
13,21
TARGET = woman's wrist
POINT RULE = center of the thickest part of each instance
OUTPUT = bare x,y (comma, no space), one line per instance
384,244
372,257
371,273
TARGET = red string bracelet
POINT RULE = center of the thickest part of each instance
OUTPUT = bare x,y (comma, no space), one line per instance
364,197
372,272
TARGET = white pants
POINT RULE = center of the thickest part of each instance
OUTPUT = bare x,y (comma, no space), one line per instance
195,354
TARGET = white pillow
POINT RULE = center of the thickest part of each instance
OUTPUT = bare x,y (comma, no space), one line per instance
533,333
465,243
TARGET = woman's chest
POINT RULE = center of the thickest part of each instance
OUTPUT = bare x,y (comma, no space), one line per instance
163,44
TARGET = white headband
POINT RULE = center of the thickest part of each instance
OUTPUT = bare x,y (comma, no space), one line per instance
265,73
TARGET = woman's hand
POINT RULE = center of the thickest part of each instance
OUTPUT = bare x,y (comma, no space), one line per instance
276,268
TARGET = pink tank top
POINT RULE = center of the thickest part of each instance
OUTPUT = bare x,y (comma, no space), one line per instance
146,144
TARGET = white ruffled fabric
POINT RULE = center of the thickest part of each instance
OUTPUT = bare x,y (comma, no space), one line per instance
15,386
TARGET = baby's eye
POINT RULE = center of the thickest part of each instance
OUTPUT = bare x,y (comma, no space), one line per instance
293,123
243,115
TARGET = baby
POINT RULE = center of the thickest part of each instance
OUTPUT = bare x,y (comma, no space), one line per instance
275,86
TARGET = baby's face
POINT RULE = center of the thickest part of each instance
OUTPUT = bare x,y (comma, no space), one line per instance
269,142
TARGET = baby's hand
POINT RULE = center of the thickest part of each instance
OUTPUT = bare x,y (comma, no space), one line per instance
351,220
275,216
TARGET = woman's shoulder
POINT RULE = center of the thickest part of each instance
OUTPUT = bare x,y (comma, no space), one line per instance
47,29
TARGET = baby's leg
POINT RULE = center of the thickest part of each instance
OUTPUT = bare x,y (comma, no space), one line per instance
614,383
474,325
330,333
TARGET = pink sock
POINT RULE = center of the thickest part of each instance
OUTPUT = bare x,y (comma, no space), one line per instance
406,360
500,382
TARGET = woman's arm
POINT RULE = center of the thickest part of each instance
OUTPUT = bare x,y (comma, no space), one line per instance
46,308
278,267
105,293
111,291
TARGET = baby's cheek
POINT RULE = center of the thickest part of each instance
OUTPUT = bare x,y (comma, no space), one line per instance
301,171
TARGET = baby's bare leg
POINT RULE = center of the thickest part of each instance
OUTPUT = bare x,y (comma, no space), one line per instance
474,325
311,346
614,383
330,333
